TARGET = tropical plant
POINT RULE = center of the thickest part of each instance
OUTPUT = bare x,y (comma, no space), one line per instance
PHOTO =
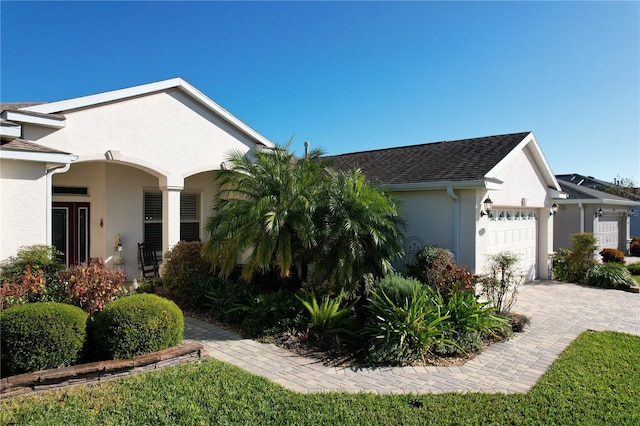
329,316
265,206
403,333
500,285
561,265
92,286
360,231
609,275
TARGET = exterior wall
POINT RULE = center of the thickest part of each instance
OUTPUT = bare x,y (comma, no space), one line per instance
567,222
24,190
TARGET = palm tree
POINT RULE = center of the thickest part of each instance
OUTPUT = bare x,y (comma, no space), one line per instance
361,231
265,206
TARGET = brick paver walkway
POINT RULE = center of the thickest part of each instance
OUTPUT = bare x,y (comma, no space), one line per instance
559,313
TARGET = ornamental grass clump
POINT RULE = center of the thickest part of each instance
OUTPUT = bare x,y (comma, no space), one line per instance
42,335
609,275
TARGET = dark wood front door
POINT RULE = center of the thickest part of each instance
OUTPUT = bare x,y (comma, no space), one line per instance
70,233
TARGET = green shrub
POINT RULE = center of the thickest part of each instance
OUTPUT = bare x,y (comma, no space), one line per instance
612,255
561,265
609,275
469,321
145,287
330,316
430,263
634,247
500,286
581,257
92,286
222,297
37,257
42,335
403,333
634,268
184,270
396,287
135,325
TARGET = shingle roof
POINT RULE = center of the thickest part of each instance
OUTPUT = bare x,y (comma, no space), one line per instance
25,145
580,192
460,160
18,106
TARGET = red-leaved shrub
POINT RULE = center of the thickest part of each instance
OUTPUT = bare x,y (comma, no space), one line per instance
17,289
634,247
91,286
612,255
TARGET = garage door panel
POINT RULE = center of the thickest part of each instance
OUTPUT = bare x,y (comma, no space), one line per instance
607,232
515,231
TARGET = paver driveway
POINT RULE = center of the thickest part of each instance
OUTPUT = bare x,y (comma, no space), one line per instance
558,311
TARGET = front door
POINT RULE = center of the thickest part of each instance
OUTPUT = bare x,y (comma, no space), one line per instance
70,233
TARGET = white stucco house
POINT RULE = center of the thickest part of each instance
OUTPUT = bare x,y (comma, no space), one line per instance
136,163
586,209
444,188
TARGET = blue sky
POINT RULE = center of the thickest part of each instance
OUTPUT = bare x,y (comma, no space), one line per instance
351,76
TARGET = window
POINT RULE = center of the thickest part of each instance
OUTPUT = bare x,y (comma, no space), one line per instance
189,218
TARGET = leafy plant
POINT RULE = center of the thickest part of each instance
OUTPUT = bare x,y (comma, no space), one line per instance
41,335
609,275
396,287
430,264
500,286
92,286
328,317
612,255
402,333
581,257
185,271
562,265
19,289
135,325
634,268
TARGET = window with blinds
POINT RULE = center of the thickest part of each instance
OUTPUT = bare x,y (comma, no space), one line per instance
189,218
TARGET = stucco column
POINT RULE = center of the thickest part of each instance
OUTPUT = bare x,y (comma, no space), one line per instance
170,216
545,242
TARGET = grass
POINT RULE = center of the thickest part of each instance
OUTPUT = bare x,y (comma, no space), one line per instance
636,278
595,381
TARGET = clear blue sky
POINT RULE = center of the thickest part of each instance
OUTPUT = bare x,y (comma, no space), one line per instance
358,75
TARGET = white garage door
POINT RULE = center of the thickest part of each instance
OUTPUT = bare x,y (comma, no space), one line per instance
515,231
607,232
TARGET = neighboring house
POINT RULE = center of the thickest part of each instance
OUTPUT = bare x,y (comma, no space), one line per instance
444,187
600,185
586,209
135,164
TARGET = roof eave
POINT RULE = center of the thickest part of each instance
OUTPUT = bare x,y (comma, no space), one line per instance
489,184
25,117
40,157
598,201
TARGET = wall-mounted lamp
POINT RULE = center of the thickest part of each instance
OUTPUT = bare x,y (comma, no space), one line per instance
554,209
487,206
598,213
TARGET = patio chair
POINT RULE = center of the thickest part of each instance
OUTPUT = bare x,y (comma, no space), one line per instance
148,262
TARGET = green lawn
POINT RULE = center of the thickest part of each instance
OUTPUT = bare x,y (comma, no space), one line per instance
595,381
636,278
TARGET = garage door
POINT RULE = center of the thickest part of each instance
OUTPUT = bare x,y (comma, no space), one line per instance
515,231
607,232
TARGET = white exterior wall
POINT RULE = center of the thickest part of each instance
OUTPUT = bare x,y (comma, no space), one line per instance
24,190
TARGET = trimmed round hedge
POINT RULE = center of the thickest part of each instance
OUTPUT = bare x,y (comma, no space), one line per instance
135,325
40,336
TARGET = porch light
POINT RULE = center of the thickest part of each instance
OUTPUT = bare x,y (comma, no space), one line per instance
554,209
598,213
488,205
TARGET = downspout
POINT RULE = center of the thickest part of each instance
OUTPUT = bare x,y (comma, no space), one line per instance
50,173
456,222
581,207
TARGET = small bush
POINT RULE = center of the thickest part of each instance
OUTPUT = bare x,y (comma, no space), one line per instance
609,275
561,265
581,257
612,255
184,271
39,336
92,286
634,268
37,257
500,286
22,288
330,316
135,325
634,247
396,287
430,263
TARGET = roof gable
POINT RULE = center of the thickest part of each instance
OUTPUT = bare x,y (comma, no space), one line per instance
581,193
60,107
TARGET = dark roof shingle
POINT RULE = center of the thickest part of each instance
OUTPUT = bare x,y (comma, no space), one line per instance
25,145
460,160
